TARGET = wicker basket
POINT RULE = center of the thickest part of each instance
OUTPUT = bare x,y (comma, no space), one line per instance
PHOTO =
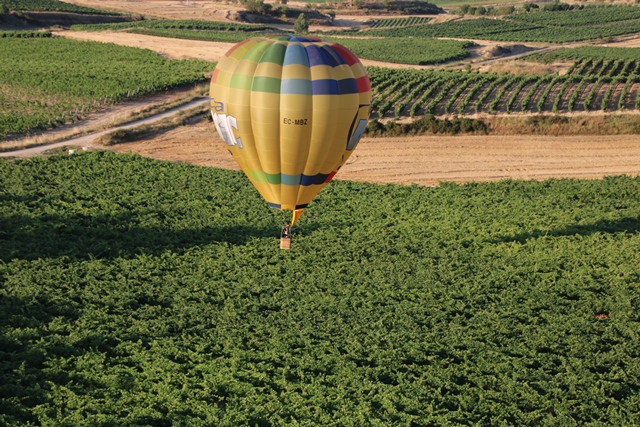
285,243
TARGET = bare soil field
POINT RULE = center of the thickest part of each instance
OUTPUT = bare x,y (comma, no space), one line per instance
167,47
427,160
166,9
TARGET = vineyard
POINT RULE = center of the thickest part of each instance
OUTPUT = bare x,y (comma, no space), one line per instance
49,81
580,17
589,85
424,51
165,24
550,27
25,34
49,5
136,292
400,22
585,53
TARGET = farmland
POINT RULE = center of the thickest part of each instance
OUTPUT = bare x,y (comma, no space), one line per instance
589,85
48,5
404,51
400,22
139,292
51,81
548,27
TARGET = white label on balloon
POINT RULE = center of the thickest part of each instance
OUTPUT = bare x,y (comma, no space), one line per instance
224,125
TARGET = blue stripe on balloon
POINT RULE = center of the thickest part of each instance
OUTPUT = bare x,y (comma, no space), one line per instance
316,56
325,87
296,54
334,87
296,87
334,57
307,180
348,86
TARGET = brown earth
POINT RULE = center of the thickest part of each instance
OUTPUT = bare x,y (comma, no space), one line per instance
427,160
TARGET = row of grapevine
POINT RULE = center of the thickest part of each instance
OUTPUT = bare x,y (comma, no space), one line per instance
417,92
601,67
400,22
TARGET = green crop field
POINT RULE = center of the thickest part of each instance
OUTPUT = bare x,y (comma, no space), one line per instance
585,53
49,5
135,292
580,17
165,24
550,27
422,51
48,81
590,84
400,22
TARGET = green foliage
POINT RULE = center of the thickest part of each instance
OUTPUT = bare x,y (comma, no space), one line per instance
576,18
400,22
49,5
423,51
301,26
4,9
514,30
586,53
187,24
557,6
505,10
135,292
22,34
427,124
48,81
256,6
206,35
443,92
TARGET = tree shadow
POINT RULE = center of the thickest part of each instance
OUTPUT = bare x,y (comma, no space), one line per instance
627,225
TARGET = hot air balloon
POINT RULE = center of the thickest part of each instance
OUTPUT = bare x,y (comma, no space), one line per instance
291,111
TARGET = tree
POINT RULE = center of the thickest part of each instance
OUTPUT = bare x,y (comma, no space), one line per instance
302,24
4,10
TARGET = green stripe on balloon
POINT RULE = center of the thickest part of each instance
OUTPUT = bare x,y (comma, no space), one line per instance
275,54
241,81
266,84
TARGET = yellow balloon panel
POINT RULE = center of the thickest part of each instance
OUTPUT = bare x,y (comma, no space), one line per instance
291,110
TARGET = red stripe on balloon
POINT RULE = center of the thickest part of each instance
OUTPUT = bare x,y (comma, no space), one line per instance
364,85
330,177
346,54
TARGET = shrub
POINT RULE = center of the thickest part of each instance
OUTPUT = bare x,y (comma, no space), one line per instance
256,6
301,25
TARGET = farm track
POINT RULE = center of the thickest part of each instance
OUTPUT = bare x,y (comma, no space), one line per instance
87,140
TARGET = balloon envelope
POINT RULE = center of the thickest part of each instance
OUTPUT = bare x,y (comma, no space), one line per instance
291,111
